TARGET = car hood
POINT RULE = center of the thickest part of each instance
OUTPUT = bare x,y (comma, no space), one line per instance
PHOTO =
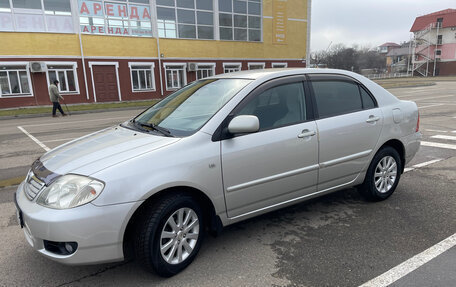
97,151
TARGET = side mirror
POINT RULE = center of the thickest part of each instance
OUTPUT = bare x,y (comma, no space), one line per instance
244,124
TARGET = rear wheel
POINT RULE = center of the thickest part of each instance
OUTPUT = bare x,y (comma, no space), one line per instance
170,234
383,174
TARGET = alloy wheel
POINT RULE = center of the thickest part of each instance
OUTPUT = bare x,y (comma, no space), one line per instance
179,236
385,174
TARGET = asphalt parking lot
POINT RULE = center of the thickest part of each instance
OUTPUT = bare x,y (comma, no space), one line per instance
336,240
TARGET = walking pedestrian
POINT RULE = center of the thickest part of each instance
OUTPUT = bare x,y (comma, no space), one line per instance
55,96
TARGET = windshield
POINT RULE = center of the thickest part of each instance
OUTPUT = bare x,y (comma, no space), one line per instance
188,109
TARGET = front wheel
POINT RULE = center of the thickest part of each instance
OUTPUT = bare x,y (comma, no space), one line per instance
383,174
170,234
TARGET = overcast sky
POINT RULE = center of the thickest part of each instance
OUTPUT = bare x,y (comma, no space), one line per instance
367,22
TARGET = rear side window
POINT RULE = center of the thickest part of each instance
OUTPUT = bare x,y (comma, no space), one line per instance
368,102
278,106
335,97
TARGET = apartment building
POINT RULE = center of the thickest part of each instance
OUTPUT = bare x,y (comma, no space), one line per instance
434,43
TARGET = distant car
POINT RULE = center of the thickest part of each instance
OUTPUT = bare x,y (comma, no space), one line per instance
217,151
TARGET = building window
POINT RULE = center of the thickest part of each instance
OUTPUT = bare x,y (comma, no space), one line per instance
65,73
439,22
279,65
438,52
175,76
205,70
142,76
240,20
231,67
256,66
14,80
128,18
185,19
57,7
36,16
439,39
30,4
5,6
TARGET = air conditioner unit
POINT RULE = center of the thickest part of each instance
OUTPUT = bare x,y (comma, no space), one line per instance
37,67
192,67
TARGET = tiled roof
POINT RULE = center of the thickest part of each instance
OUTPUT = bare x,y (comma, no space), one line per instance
422,22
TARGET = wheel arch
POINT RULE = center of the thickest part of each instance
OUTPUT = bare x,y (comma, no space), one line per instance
213,221
399,147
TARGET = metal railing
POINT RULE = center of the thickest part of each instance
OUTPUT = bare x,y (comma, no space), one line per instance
388,75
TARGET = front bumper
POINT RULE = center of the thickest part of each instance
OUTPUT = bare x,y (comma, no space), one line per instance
98,231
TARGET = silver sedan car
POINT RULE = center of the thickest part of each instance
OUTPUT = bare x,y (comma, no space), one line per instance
217,151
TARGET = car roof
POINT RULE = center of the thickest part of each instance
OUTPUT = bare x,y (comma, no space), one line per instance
278,72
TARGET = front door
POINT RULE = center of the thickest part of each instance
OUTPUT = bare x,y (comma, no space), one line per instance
105,81
280,161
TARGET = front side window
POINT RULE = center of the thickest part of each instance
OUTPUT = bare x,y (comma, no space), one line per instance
66,75
175,76
142,77
279,106
188,109
205,71
14,80
335,97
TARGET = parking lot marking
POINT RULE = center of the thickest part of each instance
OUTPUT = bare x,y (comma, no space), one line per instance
423,164
431,98
430,106
76,122
34,138
412,264
439,145
444,137
437,131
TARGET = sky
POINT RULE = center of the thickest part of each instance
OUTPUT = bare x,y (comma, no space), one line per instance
367,23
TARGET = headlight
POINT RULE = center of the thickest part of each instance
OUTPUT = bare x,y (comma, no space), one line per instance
70,191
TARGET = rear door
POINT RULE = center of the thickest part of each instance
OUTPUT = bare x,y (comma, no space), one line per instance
349,125
280,161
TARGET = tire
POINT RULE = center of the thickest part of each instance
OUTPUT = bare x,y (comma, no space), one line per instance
383,174
174,224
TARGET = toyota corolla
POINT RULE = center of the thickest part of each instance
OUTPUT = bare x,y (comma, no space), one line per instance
217,151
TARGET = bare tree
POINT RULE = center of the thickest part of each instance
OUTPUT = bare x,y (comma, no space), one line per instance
354,58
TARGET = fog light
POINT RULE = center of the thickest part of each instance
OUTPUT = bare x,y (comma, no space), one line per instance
69,248
60,248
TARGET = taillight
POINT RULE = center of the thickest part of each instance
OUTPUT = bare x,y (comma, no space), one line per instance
418,123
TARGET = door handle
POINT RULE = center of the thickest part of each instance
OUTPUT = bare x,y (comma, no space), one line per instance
306,133
372,119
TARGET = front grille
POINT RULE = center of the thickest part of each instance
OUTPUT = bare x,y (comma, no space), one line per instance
32,186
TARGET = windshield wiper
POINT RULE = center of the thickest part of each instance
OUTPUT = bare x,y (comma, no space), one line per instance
162,130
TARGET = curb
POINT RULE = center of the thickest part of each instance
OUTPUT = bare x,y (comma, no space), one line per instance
11,181
24,116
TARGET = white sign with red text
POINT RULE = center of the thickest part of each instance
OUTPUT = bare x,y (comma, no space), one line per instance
114,11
